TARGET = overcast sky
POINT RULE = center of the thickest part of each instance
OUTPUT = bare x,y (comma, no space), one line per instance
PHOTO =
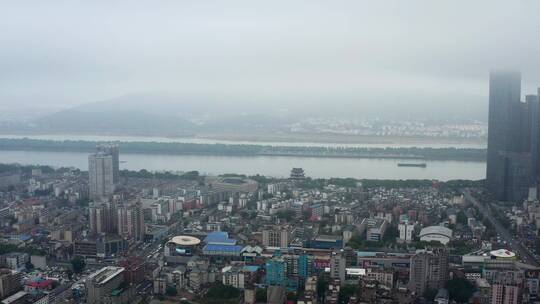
64,53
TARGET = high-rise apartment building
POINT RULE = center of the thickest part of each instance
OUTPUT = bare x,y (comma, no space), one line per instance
102,218
429,269
337,266
103,171
112,149
130,220
10,282
406,231
276,237
505,294
276,271
513,156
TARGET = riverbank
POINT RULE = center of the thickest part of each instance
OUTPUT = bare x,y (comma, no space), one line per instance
176,148
287,139
6,168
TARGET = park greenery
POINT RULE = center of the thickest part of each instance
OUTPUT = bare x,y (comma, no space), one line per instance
222,294
191,175
31,250
310,183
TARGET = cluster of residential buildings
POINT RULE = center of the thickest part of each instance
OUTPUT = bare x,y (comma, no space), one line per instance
143,238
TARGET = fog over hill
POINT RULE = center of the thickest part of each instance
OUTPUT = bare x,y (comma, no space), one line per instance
176,115
278,61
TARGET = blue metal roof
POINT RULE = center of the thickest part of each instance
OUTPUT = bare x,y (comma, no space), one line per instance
224,248
219,237
368,253
251,268
20,237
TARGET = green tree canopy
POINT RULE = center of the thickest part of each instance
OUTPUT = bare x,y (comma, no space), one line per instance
260,295
287,215
78,264
430,294
171,291
346,292
322,285
460,290
462,218
220,293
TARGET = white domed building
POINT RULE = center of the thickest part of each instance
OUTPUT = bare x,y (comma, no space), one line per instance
439,234
181,245
502,254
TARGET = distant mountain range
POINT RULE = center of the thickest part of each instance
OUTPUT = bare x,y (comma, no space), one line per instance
121,122
152,115
167,115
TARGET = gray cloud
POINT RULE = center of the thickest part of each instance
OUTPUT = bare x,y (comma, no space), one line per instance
66,53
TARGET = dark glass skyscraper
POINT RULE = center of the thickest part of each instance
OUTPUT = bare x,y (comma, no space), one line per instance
535,135
534,120
513,145
504,90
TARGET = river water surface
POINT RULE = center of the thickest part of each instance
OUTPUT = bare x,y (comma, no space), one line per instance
277,166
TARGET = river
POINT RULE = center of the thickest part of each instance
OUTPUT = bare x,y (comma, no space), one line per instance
277,166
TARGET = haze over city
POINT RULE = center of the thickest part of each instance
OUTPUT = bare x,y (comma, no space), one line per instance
389,56
281,152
